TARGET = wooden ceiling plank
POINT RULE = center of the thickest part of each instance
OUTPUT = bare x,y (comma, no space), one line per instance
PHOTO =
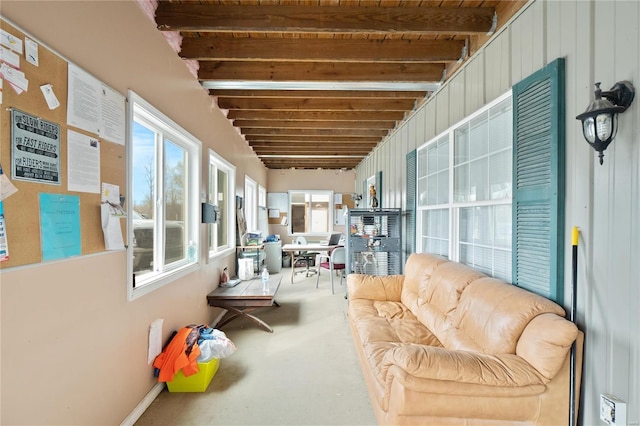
294,139
317,132
265,114
314,124
319,50
171,16
340,94
317,104
320,71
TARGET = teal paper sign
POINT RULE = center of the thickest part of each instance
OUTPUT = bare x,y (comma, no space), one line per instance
60,226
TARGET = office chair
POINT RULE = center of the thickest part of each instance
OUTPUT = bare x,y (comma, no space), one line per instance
305,256
335,261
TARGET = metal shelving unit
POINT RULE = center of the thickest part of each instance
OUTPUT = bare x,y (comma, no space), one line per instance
374,241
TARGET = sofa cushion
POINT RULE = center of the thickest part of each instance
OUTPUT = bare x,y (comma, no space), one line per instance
446,285
417,273
494,313
544,350
361,286
430,362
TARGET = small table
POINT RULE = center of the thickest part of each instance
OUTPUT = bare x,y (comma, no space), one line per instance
299,248
244,298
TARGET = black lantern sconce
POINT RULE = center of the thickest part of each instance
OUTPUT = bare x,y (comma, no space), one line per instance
600,120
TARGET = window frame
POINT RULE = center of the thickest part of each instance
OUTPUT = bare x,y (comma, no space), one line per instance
329,193
216,164
452,206
143,112
251,203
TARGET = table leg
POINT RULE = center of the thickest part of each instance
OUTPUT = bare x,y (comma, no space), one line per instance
245,313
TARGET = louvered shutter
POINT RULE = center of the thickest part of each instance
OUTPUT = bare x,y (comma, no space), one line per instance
410,217
538,181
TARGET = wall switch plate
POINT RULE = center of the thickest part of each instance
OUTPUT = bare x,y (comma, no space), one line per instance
613,411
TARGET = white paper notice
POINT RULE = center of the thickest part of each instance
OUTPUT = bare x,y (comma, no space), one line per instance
83,100
12,42
95,107
49,96
15,77
31,51
155,340
83,163
10,57
6,187
111,229
113,116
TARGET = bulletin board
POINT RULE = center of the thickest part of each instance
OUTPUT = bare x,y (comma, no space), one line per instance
21,210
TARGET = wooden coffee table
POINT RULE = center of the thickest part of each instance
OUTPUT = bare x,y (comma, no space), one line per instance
244,298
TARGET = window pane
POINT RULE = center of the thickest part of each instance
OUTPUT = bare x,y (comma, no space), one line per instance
478,136
478,180
223,214
500,126
319,209
461,144
435,237
461,183
310,212
500,175
174,197
143,178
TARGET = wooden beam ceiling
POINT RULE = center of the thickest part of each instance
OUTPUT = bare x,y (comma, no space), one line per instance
322,83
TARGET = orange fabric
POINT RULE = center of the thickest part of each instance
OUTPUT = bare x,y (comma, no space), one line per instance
175,358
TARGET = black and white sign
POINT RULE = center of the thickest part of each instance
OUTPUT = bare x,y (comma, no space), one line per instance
35,149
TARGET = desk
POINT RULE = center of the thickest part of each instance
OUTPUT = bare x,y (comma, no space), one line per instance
293,248
244,298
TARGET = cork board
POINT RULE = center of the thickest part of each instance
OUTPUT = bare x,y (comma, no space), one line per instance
21,210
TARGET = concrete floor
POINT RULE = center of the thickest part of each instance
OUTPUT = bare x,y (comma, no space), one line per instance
304,373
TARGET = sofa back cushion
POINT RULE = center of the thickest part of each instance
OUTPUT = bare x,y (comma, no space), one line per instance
494,314
417,273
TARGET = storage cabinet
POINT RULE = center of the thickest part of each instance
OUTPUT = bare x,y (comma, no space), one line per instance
374,241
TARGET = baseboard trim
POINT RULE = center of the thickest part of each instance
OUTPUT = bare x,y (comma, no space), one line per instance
143,405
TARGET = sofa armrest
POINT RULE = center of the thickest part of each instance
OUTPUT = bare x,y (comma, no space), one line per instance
436,363
362,286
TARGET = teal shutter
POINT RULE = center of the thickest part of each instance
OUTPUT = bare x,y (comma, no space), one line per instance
410,217
538,182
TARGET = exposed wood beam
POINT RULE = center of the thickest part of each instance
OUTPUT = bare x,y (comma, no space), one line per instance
313,19
320,49
264,114
308,151
316,132
331,94
314,124
300,139
313,145
320,71
317,104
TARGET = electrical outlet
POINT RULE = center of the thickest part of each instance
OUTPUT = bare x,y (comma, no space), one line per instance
613,411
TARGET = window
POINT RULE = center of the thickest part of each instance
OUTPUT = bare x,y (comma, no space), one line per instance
310,212
221,182
464,191
251,203
164,173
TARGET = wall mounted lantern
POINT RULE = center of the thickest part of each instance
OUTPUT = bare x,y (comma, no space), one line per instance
600,120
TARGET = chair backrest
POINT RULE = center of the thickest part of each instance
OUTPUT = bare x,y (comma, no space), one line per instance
301,240
338,255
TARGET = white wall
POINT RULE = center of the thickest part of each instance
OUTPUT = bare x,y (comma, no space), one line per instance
74,350
599,40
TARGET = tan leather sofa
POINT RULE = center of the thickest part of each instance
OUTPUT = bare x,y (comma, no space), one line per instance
444,344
